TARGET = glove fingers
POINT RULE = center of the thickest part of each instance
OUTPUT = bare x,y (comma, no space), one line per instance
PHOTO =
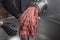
10,32
9,29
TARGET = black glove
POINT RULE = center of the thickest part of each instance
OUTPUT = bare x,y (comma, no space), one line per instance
8,28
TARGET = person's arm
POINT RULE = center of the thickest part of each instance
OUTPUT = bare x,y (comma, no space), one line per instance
8,28
10,6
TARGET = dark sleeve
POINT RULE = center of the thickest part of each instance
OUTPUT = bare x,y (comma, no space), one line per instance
10,6
0,0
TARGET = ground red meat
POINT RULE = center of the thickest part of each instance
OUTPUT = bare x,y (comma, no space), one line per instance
29,22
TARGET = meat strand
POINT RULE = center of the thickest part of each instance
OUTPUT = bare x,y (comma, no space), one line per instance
29,22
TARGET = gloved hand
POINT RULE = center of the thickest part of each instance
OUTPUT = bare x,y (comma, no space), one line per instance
9,29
